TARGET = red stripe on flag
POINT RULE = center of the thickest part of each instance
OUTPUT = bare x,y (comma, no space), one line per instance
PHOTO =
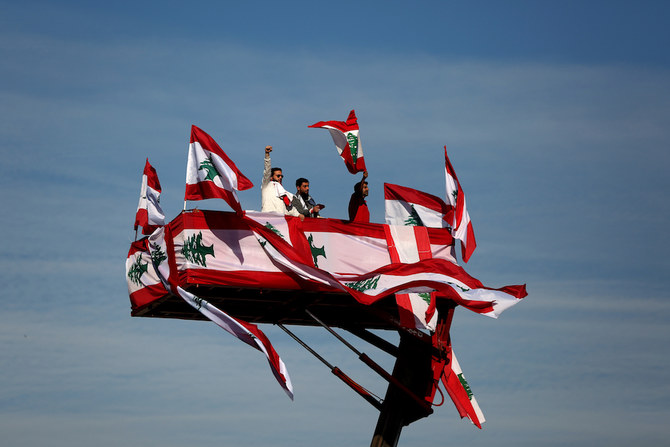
459,395
152,177
146,295
208,143
344,126
208,190
470,245
414,196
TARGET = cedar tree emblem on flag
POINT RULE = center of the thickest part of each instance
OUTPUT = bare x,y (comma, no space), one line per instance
136,271
316,251
210,174
347,141
407,206
194,250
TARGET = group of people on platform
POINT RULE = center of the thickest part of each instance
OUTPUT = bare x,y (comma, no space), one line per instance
274,198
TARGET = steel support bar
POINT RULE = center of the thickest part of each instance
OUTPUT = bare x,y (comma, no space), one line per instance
365,394
375,366
375,340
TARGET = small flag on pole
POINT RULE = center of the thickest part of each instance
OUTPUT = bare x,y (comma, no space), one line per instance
347,141
149,213
210,174
407,206
461,225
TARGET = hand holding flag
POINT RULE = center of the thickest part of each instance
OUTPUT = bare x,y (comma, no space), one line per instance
347,142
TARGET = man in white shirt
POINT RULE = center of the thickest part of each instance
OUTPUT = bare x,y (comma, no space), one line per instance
274,198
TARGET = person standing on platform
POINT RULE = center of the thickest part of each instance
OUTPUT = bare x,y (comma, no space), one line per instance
358,207
303,202
274,198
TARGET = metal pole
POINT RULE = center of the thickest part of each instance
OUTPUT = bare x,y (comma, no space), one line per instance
365,394
376,367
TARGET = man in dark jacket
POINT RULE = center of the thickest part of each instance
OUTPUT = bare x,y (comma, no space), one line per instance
303,202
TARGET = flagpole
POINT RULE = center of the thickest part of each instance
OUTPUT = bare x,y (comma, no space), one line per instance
365,394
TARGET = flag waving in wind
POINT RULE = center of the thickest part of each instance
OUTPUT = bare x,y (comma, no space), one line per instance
413,208
461,225
460,393
161,247
210,174
149,213
345,136
407,206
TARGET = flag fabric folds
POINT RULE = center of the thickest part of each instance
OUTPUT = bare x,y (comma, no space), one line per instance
460,393
423,276
407,206
210,174
414,208
160,243
461,225
408,244
347,141
446,370
149,213
412,256
144,283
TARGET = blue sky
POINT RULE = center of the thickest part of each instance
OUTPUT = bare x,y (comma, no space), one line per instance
556,117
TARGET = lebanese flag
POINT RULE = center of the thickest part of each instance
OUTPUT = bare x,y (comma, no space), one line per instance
420,277
144,283
407,245
407,206
246,332
283,239
460,224
347,142
161,242
149,213
411,207
210,174
461,394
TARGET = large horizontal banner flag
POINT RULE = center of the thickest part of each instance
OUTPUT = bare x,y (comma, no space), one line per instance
149,213
160,243
347,141
214,247
423,276
461,225
210,174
